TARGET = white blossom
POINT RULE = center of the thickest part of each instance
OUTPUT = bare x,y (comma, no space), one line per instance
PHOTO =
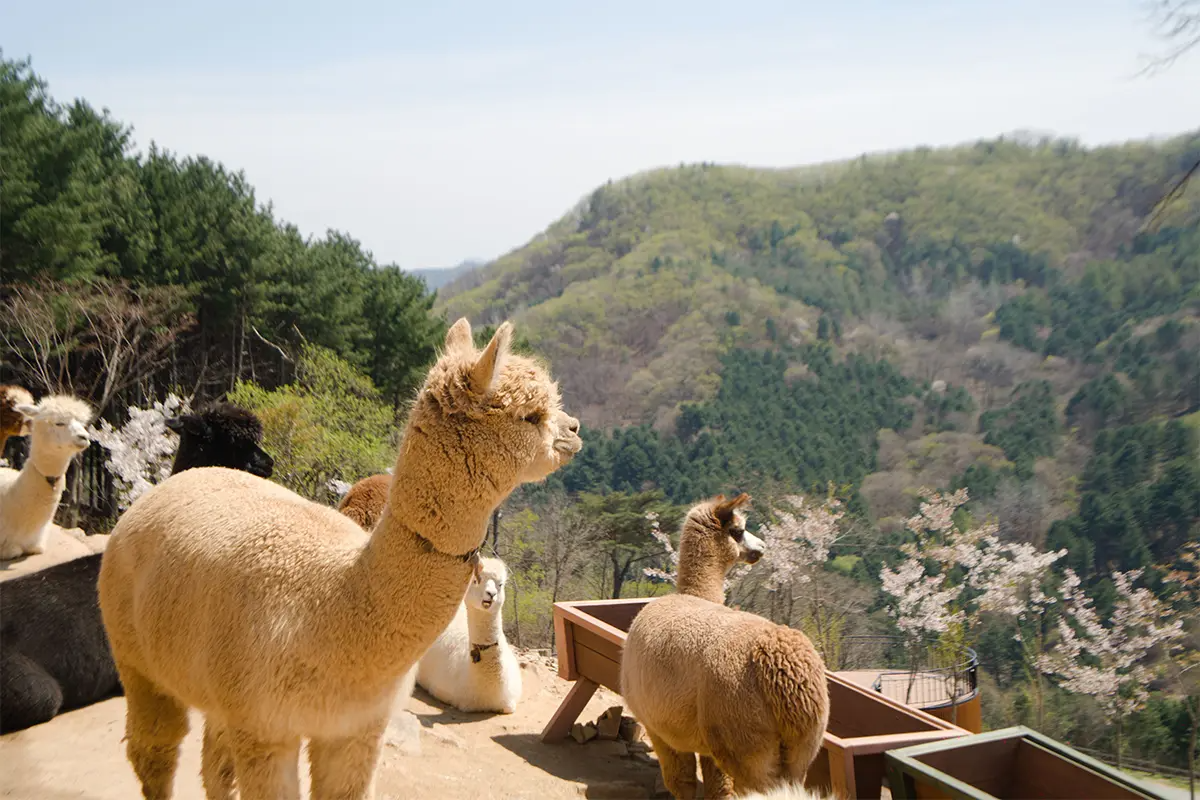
1108,662
664,540
140,452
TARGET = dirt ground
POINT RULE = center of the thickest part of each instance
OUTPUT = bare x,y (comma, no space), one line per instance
431,752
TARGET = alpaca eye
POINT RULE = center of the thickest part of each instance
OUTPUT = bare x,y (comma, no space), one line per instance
737,534
535,418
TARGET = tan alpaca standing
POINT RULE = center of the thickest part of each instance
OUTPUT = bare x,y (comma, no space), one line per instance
365,501
746,695
280,621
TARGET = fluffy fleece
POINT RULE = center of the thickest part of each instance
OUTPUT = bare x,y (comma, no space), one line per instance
12,422
365,501
54,655
280,621
470,665
29,498
787,791
746,695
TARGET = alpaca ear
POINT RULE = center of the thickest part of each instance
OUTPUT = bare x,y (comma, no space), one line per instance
458,338
26,410
174,424
724,508
489,365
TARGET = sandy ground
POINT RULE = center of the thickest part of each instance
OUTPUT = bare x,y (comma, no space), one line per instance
431,752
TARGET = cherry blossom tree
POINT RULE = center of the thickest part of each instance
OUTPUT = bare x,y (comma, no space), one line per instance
937,611
140,452
1111,663
1183,667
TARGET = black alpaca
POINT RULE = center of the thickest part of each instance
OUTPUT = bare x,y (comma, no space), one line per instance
54,653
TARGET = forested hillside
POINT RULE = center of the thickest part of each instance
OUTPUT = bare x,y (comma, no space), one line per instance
1013,317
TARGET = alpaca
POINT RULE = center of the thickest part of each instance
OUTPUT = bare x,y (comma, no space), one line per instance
365,501
746,695
471,666
788,791
12,422
29,498
280,621
54,655
222,435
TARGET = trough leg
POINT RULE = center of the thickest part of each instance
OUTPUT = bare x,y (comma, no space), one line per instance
569,710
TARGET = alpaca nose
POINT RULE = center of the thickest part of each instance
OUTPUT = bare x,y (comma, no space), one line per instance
572,425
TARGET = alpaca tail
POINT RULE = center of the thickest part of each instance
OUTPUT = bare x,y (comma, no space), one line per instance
791,675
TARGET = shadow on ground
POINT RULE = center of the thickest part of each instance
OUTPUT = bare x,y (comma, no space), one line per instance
605,776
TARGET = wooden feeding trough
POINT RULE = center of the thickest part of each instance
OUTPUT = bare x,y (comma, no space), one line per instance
1009,763
863,725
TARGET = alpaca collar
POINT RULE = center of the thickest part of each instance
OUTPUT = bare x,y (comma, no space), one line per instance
427,546
51,481
477,650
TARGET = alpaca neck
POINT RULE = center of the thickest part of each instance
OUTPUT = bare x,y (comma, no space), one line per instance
410,577
700,573
48,464
485,627
701,583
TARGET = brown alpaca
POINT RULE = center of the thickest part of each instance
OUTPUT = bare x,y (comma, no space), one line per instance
12,422
280,621
365,501
746,695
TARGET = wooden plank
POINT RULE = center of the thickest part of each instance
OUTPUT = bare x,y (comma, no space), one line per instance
619,614
1041,774
894,741
564,646
588,622
988,766
854,712
593,641
559,726
597,667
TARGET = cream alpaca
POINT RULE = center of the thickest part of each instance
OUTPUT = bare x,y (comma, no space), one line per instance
471,666
12,422
29,498
280,621
788,791
746,695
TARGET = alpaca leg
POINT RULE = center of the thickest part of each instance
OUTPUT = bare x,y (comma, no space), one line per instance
28,694
264,770
155,724
216,764
344,769
799,756
751,770
678,769
716,783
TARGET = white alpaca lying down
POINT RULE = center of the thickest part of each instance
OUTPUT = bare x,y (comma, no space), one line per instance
470,665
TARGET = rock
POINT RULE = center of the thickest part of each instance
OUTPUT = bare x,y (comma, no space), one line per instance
608,726
631,730
638,747
618,790
660,787
577,732
589,731
404,734
443,734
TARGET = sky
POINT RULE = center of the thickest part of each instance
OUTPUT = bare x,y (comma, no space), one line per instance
435,133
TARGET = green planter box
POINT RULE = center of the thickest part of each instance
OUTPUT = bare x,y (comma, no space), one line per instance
1006,765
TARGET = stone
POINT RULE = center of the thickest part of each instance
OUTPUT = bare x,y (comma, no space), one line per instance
589,732
446,736
608,726
577,732
638,747
660,787
631,730
404,734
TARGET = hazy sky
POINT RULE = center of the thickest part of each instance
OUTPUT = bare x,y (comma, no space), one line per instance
438,134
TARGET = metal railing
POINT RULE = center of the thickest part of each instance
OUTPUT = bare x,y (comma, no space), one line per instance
924,678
